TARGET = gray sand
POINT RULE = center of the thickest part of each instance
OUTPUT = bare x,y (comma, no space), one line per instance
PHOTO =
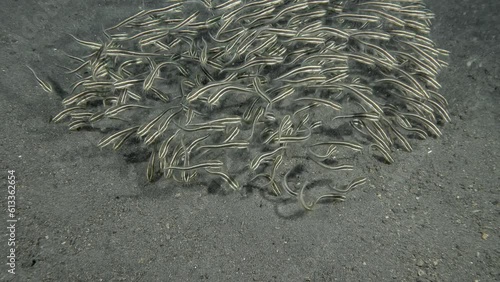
86,214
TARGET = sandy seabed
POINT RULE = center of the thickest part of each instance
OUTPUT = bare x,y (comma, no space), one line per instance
86,214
